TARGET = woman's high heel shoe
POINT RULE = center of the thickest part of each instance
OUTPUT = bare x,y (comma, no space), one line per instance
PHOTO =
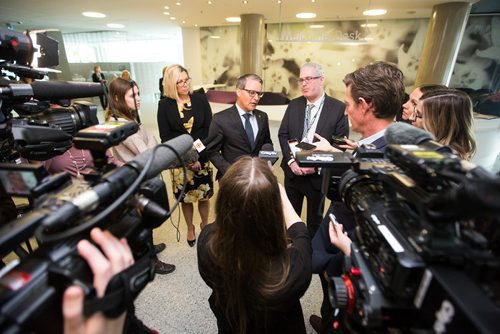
191,243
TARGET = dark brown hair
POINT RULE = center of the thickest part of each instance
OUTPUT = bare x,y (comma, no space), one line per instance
447,114
117,106
380,84
249,243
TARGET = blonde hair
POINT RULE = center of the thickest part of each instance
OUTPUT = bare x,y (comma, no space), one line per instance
126,75
170,77
448,115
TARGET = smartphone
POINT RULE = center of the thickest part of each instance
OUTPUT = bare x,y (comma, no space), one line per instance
306,146
338,140
333,219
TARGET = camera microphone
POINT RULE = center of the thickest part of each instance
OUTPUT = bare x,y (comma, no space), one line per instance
400,133
56,90
119,180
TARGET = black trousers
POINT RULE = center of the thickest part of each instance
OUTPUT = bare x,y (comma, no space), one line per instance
300,187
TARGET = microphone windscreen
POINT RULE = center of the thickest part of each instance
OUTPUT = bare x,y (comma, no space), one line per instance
164,157
267,147
57,90
400,133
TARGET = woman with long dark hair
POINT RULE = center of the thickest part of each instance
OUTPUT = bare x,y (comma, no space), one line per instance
256,257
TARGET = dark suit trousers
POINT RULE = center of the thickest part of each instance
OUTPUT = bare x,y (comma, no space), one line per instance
300,187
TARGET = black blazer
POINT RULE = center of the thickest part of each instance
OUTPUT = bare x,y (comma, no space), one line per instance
227,139
170,124
332,121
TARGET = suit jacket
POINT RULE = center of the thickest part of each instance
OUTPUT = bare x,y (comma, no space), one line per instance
227,140
170,124
332,121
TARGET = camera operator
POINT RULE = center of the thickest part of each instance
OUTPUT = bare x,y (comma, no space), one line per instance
374,94
114,258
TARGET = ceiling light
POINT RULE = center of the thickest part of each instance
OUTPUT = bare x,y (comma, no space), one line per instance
166,7
305,15
178,3
279,1
233,19
196,25
166,13
316,26
115,25
209,2
245,2
172,17
369,25
215,37
94,14
375,12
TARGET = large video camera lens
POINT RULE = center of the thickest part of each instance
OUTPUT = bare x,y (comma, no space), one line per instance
72,119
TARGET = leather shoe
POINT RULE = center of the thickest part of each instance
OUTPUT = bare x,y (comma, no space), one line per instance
315,322
163,268
160,247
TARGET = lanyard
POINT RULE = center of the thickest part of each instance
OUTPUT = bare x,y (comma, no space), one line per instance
311,122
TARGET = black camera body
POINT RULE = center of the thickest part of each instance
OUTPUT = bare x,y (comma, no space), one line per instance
419,262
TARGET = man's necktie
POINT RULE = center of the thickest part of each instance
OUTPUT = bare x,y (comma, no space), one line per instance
307,120
248,129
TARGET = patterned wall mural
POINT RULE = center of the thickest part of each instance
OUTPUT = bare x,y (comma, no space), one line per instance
342,47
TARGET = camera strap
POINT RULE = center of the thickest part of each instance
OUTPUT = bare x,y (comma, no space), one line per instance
122,289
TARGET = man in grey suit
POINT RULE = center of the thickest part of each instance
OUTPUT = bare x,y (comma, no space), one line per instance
240,130
314,112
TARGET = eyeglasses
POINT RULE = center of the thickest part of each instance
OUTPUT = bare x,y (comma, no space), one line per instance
252,93
416,114
184,82
306,80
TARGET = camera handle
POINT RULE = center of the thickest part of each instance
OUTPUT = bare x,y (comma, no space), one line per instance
122,289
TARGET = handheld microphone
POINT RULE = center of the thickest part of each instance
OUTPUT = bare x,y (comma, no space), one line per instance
268,154
56,90
116,182
400,133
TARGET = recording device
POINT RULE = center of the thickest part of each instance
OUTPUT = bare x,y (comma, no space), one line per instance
338,141
268,154
419,262
31,291
19,180
41,130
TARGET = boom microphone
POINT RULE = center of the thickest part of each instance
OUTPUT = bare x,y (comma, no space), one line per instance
58,90
119,180
400,133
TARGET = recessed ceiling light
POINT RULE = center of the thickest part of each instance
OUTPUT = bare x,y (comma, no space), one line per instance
166,13
115,25
94,14
369,25
209,2
316,26
183,21
233,19
245,2
172,17
196,25
166,7
215,37
279,1
178,3
305,15
375,12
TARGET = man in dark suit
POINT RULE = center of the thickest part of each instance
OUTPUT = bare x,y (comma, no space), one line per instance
374,95
314,112
240,130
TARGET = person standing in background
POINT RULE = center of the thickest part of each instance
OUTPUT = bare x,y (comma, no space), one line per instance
98,76
181,112
126,75
241,129
124,105
314,112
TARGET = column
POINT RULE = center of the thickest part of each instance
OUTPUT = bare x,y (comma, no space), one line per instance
252,43
442,42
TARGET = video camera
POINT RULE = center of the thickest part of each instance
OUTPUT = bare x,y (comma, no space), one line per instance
64,213
41,130
419,262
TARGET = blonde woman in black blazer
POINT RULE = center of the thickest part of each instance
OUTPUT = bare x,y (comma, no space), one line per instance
181,112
